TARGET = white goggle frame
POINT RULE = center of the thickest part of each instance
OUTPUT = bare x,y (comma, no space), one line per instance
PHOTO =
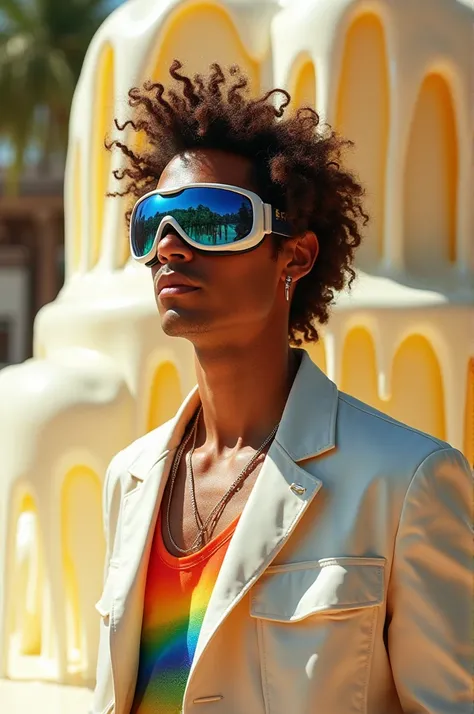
266,220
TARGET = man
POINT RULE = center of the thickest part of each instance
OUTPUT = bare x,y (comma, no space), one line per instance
278,547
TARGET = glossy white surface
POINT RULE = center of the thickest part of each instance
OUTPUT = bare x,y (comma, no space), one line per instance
94,382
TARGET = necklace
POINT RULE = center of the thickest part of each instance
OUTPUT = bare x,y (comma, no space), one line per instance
216,513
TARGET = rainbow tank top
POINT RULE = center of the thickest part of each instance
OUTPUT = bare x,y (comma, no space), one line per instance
177,593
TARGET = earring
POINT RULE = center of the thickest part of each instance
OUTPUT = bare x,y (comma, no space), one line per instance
288,281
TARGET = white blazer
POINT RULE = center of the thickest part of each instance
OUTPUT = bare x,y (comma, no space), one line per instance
346,588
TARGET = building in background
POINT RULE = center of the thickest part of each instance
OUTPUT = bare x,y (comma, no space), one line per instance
42,48
396,78
31,257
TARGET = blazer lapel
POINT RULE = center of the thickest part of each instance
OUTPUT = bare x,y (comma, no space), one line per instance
281,495
139,510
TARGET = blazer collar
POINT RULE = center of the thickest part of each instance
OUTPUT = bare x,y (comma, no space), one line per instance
307,427
308,423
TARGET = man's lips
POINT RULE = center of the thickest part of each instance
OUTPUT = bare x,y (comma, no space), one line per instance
176,290
169,284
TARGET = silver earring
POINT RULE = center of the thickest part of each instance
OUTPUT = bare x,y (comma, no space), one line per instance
288,281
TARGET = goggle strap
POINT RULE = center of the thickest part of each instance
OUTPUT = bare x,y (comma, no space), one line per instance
278,221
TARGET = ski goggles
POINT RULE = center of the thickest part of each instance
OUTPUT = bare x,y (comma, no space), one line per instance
211,217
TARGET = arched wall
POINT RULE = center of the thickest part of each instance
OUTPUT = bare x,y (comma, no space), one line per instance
103,107
362,115
27,582
83,548
359,367
415,371
165,395
177,39
431,170
302,86
417,387
201,19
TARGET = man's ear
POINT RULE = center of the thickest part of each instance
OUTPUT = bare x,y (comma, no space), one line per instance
302,255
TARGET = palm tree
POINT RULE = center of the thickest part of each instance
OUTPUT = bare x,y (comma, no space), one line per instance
42,47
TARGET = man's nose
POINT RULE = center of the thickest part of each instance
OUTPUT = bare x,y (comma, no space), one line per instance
172,247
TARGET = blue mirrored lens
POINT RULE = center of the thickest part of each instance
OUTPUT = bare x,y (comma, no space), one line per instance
210,216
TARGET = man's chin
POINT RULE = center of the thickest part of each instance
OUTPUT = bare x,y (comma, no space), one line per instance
175,324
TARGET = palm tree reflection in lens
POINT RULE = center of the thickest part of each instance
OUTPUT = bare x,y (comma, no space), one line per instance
200,223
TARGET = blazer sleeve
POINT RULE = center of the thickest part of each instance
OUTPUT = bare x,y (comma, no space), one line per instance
430,592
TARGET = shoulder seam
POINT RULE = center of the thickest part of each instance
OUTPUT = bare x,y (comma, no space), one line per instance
394,422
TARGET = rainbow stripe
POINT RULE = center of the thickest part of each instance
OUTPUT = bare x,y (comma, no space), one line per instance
177,594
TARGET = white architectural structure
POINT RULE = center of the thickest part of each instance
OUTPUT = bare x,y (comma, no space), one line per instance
393,76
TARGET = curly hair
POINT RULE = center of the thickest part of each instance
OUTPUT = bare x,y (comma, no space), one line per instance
296,166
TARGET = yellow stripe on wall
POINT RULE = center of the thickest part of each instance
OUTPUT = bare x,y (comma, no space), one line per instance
431,179
362,115
103,110
83,553
27,579
359,367
303,86
165,395
202,19
417,387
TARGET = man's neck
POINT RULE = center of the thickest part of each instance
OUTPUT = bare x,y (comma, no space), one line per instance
243,392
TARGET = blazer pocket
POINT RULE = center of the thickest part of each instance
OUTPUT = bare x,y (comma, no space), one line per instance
315,626
293,592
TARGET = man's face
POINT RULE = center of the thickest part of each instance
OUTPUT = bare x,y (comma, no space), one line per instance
237,296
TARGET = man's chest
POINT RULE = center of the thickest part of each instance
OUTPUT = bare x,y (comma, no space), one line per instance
209,504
